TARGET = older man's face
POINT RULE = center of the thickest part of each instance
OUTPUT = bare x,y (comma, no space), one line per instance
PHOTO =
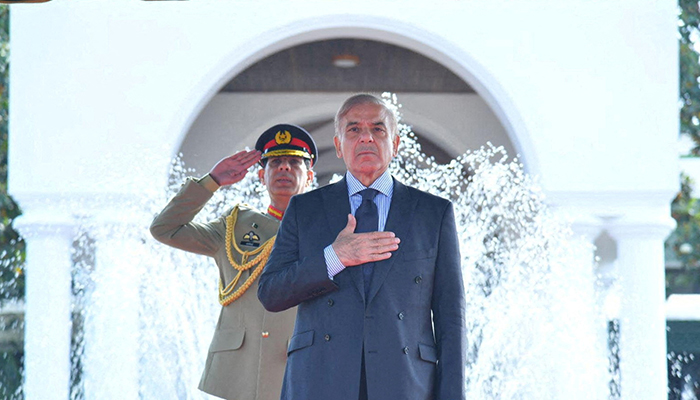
366,143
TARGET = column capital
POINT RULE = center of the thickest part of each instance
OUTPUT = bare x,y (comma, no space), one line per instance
60,214
33,224
654,228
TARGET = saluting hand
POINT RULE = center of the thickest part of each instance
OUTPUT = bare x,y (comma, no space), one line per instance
359,248
233,168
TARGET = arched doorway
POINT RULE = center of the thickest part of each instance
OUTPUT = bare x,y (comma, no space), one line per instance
305,83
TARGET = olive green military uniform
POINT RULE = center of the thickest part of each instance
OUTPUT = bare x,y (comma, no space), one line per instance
248,353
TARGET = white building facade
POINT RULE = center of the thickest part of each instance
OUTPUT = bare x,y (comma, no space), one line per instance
103,93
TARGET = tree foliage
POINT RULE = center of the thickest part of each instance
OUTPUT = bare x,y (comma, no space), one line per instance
683,246
12,247
689,29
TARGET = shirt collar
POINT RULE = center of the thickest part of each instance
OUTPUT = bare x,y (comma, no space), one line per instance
384,184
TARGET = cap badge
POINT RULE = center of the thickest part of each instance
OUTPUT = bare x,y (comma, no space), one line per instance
283,137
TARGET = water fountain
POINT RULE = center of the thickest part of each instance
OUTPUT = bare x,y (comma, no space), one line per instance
533,323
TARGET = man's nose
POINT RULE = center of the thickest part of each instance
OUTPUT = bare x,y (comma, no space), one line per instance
284,165
366,135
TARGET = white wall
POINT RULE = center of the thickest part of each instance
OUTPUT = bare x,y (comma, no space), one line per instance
101,90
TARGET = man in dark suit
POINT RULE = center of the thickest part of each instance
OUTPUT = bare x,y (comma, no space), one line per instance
374,268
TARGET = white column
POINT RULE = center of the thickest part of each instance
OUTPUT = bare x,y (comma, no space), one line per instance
589,227
640,263
111,356
47,329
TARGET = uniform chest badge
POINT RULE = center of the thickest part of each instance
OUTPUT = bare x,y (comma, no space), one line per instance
251,239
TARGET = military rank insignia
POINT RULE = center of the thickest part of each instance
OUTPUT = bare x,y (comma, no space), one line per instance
251,239
283,137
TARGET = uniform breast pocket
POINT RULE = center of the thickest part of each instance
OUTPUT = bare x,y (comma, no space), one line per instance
227,340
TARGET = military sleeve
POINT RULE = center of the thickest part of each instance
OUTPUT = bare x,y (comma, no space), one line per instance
174,227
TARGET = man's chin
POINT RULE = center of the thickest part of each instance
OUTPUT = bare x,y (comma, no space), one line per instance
366,158
289,190
367,168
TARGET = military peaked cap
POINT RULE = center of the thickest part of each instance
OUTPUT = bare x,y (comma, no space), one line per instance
287,140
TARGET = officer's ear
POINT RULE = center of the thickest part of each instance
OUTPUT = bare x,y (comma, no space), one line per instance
309,177
261,175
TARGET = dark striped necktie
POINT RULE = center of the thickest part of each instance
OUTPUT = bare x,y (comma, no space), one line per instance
367,218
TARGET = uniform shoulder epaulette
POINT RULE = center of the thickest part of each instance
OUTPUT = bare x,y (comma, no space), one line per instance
245,207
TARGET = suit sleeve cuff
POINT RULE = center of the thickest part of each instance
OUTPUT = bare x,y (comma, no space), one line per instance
333,264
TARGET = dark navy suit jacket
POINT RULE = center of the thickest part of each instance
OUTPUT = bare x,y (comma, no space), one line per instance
411,325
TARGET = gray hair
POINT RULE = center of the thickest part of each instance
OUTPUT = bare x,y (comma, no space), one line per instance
366,98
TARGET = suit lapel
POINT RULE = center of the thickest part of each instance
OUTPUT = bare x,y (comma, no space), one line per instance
336,206
402,205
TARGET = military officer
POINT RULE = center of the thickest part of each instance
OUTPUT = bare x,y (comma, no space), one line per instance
247,355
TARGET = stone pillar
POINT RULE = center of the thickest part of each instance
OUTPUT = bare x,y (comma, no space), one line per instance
640,264
588,228
111,356
48,322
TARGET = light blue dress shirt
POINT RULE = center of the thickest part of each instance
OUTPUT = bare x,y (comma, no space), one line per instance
385,186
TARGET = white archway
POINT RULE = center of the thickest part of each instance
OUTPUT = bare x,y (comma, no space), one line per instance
361,27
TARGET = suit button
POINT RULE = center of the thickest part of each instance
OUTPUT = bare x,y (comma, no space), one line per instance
418,279
327,337
330,302
401,315
405,350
